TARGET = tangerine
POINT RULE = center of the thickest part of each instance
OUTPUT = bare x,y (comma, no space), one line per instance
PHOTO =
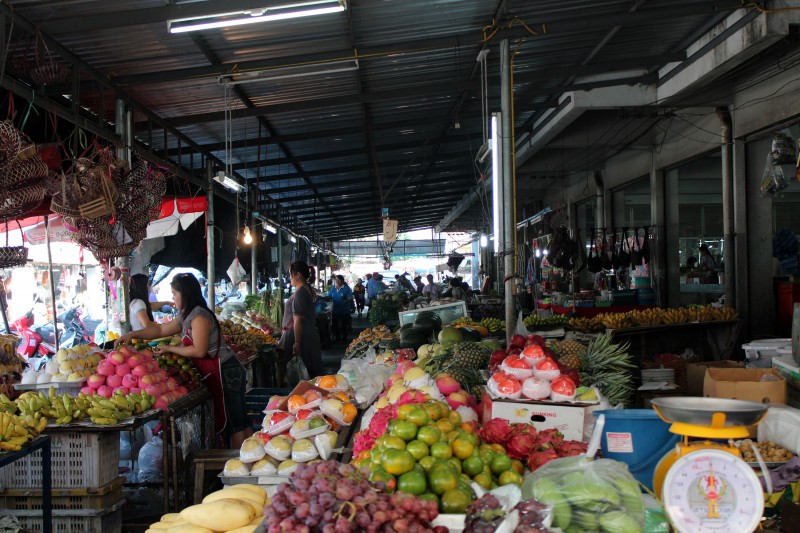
295,402
349,412
327,382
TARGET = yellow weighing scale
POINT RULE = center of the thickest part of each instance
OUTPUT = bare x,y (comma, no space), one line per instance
705,485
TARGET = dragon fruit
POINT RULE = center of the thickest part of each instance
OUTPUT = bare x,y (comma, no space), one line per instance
495,431
571,447
522,442
549,439
541,458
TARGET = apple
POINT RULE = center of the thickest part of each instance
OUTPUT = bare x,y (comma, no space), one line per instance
123,390
129,381
517,341
106,368
123,370
88,390
171,384
114,381
312,395
147,379
457,399
96,381
135,360
153,390
116,358
124,350
274,402
105,391
161,403
139,371
135,390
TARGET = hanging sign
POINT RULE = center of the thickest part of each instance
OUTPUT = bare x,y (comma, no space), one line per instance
389,230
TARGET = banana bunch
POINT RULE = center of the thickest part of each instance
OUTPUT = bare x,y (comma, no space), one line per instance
587,325
61,408
616,320
725,313
677,315
108,412
7,405
493,324
15,431
646,317
702,314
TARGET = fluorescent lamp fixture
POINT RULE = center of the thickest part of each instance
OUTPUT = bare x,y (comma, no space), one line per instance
496,214
247,239
269,14
545,252
484,241
283,73
271,229
538,253
228,182
292,238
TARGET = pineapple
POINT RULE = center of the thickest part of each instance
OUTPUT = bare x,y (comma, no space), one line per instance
569,353
608,367
470,354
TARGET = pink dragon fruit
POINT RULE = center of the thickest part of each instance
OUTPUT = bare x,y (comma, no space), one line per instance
549,439
495,431
522,442
541,458
571,447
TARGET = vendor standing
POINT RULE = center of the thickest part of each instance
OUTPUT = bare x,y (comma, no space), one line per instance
358,294
708,270
141,314
300,335
201,340
342,296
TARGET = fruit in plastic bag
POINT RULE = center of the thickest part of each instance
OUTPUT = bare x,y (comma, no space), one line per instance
252,450
234,467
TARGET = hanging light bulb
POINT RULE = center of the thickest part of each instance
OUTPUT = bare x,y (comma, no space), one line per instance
247,239
538,253
545,251
484,241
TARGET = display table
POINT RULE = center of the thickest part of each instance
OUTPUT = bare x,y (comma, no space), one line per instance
714,340
42,442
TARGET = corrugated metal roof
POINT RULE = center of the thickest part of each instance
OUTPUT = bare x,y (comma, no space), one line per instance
332,134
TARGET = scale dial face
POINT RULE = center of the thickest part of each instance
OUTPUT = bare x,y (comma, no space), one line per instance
710,491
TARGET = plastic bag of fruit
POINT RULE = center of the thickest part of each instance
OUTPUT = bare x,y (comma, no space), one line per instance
588,495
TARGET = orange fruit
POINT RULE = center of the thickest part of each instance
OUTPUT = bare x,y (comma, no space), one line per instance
462,448
349,412
327,382
341,395
296,402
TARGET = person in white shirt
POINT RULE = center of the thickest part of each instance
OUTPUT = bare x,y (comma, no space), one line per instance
141,315
432,290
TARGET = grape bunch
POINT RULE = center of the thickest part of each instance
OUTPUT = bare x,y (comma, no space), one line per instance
328,497
486,514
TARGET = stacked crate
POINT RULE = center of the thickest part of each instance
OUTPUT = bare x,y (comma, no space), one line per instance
87,492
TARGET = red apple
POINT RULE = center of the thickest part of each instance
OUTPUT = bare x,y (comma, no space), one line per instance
123,370
116,358
114,381
96,381
517,340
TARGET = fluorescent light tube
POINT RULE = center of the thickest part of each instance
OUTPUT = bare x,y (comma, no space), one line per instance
228,182
496,214
292,238
228,20
484,241
271,229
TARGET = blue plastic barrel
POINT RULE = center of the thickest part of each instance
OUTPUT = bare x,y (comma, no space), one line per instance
638,438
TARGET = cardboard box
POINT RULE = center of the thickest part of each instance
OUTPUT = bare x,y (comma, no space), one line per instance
745,384
788,369
566,417
696,374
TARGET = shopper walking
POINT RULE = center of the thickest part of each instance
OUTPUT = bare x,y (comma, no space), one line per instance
359,292
342,296
141,314
202,341
300,336
418,285
372,280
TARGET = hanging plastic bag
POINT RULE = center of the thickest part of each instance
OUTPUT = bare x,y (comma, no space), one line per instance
783,150
772,180
236,271
296,372
150,461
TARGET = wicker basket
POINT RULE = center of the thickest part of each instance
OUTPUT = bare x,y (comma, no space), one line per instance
13,256
10,144
14,203
23,170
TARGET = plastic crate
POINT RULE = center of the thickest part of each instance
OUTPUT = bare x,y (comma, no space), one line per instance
107,520
78,461
64,499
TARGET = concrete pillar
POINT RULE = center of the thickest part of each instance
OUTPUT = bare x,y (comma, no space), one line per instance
740,231
124,129
658,248
729,249
509,224
759,243
254,245
672,258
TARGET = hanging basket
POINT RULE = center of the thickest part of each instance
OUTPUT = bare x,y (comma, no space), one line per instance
23,171
13,256
19,201
10,144
102,201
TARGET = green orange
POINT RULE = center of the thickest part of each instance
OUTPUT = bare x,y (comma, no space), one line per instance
500,464
418,417
441,450
398,462
418,449
442,480
462,448
404,429
430,435
472,466
412,482
454,501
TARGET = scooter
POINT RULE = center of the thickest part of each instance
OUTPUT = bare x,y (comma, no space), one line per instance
31,339
72,332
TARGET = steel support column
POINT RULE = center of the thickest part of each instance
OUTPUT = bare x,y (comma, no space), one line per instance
658,220
254,244
508,247
740,232
123,126
210,265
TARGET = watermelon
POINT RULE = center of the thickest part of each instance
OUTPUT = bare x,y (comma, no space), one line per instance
412,338
470,334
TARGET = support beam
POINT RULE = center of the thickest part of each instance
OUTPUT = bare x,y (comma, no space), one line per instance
508,248
729,250
211,277
474,194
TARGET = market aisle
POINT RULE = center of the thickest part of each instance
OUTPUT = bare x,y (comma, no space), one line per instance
332,356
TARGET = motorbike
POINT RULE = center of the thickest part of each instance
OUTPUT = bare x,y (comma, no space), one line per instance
72,332
30,345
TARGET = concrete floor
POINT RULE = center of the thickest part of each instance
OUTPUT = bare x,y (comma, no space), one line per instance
332,356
